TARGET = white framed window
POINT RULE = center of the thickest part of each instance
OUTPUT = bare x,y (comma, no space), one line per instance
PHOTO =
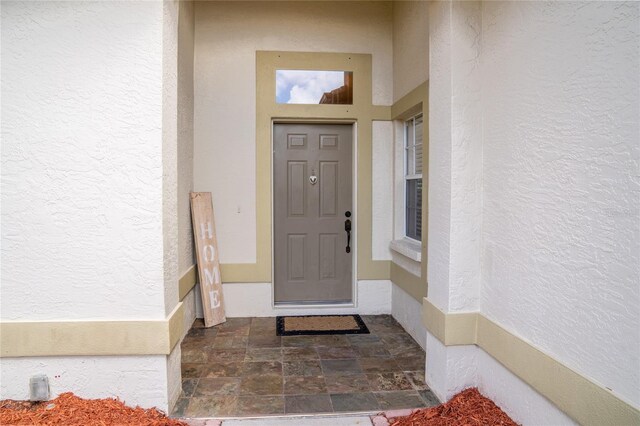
413,130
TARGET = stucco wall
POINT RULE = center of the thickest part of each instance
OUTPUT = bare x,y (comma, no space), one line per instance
82,161
454,185
88,183
552,88
185,255
226,39
170,152
186,33
561,216
408,312
140,380
382,189
410,46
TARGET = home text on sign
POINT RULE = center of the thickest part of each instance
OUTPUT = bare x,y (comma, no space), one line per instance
208,259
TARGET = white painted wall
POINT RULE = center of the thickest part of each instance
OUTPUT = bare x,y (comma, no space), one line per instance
408,312
82,161
185,255
170,152
410,69
382,189
410,46
438,246
552,89
136,380
523,404
374,298
186,34
226,39
174,376
89,184
450,369
561,216
455,156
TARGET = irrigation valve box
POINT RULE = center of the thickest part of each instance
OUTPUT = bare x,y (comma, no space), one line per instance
39,388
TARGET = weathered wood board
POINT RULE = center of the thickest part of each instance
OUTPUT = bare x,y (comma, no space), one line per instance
204,233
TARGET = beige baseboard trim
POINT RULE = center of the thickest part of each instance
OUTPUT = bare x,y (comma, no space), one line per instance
72,338
412,285
583,400
187,281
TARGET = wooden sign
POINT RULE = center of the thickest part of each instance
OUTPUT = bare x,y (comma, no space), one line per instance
204,233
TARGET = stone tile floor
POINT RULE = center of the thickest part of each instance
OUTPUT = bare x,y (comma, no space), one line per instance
242,369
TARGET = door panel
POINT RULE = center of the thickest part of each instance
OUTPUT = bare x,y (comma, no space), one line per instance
296,187
296,261
312,170
328,252
328,181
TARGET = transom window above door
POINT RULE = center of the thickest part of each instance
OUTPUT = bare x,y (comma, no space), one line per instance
314,87
413,131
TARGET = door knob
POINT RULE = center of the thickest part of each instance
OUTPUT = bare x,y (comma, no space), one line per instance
347,228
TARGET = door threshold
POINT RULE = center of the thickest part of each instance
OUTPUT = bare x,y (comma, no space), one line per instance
298,305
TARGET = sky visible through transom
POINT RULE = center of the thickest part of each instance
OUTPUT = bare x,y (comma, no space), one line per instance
305,87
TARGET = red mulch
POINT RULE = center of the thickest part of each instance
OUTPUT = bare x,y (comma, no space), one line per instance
468,408
69,410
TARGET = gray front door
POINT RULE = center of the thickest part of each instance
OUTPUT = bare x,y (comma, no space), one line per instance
312,202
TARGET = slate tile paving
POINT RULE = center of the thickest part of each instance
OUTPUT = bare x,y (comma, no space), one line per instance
241,369
398,399
347,402
300,404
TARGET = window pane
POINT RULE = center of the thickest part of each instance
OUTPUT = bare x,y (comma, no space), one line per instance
414,209
314,87
411,161
418,132
408,137
418,160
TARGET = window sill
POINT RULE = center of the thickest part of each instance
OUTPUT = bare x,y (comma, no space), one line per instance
407,248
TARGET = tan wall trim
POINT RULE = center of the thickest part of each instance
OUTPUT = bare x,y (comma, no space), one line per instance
187,281
380,112
412,103
409,105
361,112
414,286
583,400
71,338
175,322
450,329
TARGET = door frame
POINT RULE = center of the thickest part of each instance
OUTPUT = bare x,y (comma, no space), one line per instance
354,197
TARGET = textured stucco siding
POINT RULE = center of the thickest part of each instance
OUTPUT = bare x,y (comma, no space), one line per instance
136,380
438,245
170,152
408,312
82,160
186,32
534,214
88,185
410,46
466,157
226,38
508,392
561,185
381,189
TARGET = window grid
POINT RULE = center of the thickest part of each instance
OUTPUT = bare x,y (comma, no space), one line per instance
413,177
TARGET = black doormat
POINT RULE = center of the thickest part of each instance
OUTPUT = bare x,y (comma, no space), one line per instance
320,324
